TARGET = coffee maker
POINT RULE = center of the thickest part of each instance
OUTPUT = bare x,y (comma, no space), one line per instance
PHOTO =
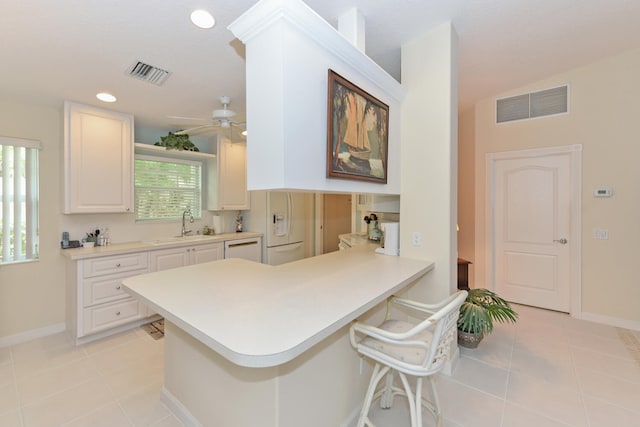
390,238
373,230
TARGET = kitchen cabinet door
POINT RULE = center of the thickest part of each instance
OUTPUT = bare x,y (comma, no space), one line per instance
165,259
227,180
207,253
98,160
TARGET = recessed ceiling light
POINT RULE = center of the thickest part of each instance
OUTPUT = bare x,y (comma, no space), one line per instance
106,97
203,19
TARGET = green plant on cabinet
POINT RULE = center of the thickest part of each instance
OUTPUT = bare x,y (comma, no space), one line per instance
176,142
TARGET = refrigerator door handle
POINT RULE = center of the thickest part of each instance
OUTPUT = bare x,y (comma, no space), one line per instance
289,212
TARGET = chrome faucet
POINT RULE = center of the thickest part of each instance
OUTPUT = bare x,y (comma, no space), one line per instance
184,230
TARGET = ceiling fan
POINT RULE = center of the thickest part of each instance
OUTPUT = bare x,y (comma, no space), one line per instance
221,118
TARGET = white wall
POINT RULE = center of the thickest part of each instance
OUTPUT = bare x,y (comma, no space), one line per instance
603,118
32,294
289,52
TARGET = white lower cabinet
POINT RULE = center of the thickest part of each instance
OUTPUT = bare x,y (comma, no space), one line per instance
165,259
96,303
97,306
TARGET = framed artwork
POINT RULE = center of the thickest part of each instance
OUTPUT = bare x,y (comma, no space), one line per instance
357,133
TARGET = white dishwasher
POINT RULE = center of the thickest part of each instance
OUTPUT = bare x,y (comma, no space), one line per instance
249,248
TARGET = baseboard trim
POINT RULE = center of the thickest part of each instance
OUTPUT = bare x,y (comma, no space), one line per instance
178,409
32,335
611,321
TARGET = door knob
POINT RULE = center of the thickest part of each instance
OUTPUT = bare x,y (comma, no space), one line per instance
562,241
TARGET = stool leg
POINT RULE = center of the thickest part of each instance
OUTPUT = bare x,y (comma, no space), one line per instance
435,402
376,376
411,399
386,400
419,402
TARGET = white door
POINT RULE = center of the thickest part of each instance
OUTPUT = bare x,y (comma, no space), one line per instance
533,243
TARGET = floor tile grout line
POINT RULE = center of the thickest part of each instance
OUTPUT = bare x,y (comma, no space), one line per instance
581,393
57,392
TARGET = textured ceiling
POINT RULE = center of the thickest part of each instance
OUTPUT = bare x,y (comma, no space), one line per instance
72,49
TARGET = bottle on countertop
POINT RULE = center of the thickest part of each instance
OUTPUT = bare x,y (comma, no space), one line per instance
239,225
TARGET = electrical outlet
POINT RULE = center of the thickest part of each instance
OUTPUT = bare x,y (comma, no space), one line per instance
601,234
416,238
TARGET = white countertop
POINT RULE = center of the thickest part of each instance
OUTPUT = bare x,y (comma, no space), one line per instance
257,315
152,244
355,239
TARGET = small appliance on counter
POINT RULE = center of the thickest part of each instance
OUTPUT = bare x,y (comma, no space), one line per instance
390,238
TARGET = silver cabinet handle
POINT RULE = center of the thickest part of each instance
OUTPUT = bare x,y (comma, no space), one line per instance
562,241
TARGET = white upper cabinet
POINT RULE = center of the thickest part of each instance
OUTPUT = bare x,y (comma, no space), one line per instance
227,177
98,160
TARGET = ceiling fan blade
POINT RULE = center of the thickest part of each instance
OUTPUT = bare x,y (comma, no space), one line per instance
194,129
197,119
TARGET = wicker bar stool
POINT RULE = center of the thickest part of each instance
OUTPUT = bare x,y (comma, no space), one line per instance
408,349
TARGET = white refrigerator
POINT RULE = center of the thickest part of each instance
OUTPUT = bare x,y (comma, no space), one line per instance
279,215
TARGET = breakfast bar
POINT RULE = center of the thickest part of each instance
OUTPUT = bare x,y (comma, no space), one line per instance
251,344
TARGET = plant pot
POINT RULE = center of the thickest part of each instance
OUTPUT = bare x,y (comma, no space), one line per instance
468,339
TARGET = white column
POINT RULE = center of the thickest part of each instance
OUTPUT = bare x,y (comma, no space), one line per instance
352,26
428,202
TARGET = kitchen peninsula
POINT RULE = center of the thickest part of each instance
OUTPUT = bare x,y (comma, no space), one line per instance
251,344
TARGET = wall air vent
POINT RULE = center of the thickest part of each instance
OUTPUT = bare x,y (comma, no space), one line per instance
535,104
148,73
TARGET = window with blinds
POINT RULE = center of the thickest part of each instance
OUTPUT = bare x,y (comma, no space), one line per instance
18,200
165,188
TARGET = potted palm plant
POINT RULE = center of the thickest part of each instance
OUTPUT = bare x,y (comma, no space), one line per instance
478,312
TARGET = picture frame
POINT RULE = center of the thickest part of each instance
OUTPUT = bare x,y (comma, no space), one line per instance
357,132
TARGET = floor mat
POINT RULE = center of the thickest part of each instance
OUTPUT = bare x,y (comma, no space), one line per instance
155,329
631,342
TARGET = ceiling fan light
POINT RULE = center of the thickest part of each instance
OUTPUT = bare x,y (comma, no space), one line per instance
244,133
223,114
202,19
225,124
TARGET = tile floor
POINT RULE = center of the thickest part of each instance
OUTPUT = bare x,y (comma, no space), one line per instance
114,382
547,370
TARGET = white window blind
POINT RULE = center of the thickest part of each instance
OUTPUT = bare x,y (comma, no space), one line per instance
164,188
19,200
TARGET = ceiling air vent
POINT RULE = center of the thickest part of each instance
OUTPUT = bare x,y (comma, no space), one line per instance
535,104
148,73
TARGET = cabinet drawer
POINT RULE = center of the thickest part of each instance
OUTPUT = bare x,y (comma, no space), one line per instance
115,264
98,290
110,315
